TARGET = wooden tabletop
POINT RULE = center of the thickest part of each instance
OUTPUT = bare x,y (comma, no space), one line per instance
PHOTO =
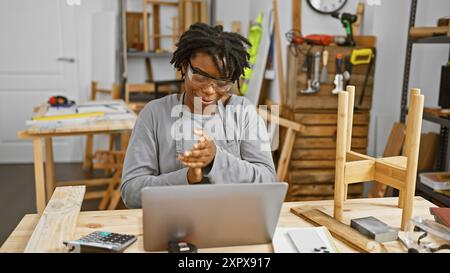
130,222
96,126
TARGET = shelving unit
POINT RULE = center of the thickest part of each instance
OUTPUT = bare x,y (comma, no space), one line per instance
441,164
124,54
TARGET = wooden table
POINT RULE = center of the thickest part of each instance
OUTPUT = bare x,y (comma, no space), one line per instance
45,185
130,221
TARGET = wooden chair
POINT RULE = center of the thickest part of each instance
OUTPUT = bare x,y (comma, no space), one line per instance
112,160
292,128
155,88
137,88
114,92
398,171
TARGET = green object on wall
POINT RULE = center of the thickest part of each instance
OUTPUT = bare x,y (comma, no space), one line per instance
254,37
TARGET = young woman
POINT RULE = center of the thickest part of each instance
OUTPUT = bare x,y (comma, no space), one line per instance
161,151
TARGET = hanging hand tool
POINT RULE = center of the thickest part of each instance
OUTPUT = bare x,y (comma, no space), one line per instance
347,20
309,63
324,74
370,54
339,78
361,56
294,37
315,83
348,68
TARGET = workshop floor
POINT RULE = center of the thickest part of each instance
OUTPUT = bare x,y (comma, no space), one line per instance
17,196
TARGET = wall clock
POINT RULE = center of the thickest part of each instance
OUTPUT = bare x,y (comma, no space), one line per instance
326,6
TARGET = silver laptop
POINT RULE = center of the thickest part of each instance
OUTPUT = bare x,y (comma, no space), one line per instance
211,215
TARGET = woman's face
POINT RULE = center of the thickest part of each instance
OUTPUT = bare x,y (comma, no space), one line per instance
202,86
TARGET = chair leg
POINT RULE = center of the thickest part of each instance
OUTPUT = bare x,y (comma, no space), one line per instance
107,195
401,198
87,164
348,140
413,132
345,192
114,200
111,144
341,150
115,182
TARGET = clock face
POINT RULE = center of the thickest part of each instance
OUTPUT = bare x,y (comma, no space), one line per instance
326,6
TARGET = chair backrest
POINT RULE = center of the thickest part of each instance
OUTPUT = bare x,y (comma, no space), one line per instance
114,91
138,88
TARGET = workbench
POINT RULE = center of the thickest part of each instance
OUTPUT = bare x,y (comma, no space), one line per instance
130,222
45,182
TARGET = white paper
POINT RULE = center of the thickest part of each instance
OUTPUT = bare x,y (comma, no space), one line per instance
303,240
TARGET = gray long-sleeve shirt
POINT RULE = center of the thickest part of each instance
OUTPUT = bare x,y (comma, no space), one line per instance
152,155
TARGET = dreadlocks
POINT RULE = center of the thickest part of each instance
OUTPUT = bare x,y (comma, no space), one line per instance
227,47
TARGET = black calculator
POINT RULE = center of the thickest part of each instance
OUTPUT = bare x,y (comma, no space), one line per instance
101,241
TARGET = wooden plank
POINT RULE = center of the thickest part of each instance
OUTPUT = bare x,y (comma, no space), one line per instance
39,179
360,14
338,229
312,164
297,15
389,181
305,118
236,26
58,222
279,120
359,171
204,17
156,27
365,41
298,198
279,61
285,155
326,143
94,195
395,141
312,176
325,102
393,171
162,3
355,155
429,146
189,12
318,154
196,11
397,161
181,16
323,189
327,130
145,20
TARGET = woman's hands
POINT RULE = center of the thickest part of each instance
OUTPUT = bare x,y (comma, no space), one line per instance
200,156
